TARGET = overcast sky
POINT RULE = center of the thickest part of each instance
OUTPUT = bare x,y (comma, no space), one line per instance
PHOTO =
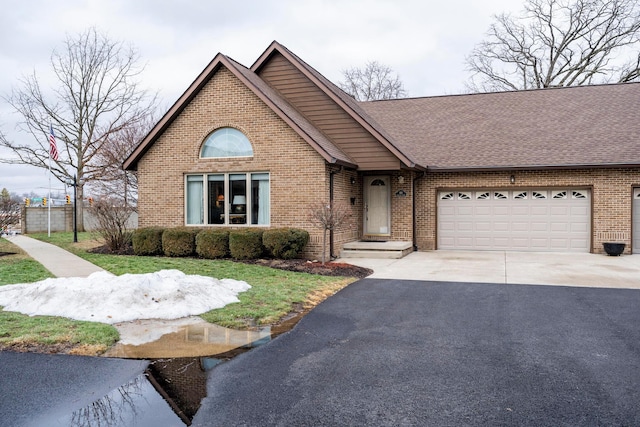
425,42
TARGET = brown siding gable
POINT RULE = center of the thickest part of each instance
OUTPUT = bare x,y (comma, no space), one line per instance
347,103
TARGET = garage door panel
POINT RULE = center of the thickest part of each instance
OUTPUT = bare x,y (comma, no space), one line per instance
501,242
465,210
539,210
482,210
497,220
559,210
446,210
539,244
483,226
464,226
501,226
559,227
465,242
577,227
484,242
559,243
579,244
537,226
501,210
518,244
579,210
520,210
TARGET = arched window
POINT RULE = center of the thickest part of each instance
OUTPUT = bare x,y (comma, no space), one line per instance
226,142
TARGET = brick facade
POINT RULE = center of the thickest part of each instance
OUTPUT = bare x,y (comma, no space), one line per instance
298,174
611,191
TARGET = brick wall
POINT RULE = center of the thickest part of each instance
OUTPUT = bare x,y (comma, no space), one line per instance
35,220
611,197
299,176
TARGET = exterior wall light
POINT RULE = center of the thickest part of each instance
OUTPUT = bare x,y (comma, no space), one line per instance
512,179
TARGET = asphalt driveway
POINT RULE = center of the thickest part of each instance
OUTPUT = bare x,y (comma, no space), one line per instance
414,353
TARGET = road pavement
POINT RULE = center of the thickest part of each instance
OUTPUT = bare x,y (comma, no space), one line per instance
38,389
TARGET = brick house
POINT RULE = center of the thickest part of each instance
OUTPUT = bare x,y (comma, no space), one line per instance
541,170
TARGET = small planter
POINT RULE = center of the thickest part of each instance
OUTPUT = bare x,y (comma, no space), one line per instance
613,249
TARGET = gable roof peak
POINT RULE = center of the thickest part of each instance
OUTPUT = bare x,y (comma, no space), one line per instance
340,97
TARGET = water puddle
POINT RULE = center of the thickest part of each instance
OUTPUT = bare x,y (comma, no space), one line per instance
136,403
171,389
152,339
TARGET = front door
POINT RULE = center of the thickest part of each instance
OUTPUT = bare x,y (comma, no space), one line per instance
376,209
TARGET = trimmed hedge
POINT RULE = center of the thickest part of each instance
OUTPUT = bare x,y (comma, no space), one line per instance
179,242
213,243
285,243
246,243
147,241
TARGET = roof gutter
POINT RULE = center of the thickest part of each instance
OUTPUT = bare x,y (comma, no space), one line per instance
531,167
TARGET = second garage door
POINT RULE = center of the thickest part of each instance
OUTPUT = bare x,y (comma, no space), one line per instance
521,220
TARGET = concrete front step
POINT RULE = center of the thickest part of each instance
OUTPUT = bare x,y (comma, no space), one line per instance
389,250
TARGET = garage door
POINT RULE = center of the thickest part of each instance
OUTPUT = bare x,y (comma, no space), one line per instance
520,220
636,221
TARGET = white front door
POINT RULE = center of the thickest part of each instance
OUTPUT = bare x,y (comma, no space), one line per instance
377,214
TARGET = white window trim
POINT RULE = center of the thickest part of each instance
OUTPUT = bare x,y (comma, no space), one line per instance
227,203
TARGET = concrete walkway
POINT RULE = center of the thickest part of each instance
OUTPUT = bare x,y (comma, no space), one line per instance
532,268
58,261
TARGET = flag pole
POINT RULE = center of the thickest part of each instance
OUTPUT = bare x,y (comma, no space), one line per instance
49,204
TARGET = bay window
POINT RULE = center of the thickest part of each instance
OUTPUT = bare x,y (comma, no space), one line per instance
227,199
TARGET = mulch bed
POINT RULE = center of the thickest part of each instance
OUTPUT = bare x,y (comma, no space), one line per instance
298,265
314,267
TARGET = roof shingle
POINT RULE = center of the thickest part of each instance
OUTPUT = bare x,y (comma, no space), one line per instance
559,127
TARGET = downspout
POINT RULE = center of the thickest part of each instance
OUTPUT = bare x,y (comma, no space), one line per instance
413,207
331,244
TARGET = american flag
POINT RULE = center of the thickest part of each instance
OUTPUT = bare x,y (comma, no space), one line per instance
53,149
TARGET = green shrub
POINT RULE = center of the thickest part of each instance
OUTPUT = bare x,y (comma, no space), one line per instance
179,242
285,243
213,244
246,243
147,241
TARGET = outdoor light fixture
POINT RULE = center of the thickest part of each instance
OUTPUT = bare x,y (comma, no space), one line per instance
512,179
401,179
353,180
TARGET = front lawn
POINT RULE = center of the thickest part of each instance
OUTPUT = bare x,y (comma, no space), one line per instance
25,333
273,292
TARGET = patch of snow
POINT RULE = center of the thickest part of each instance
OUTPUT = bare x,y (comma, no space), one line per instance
103,297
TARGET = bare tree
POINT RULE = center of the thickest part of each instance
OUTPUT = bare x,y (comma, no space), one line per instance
9,210
559,43
115,182
328,216
112,218
373,82
96,95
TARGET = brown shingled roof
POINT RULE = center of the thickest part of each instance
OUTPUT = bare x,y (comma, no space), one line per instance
559,127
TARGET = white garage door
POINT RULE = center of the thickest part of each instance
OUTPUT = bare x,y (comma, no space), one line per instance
520,220
636,221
